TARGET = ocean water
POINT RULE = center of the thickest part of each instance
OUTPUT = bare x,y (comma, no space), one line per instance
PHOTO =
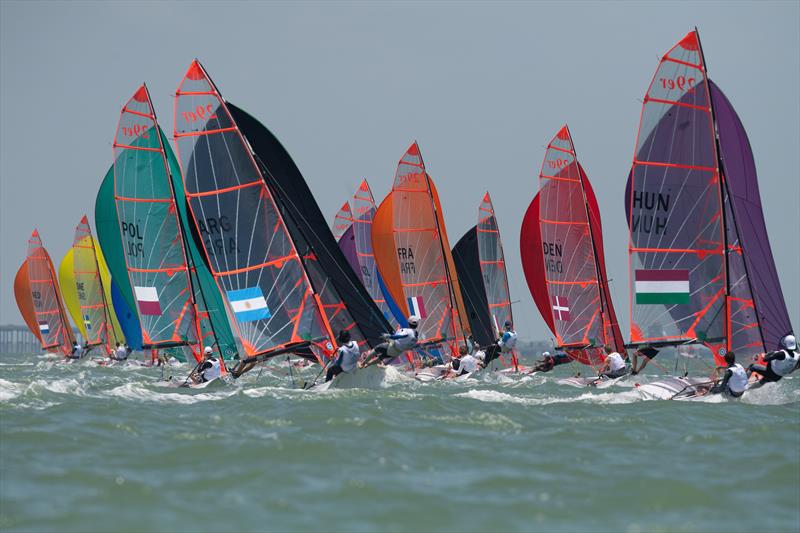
91,448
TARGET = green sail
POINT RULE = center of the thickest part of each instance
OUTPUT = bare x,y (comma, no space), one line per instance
213,317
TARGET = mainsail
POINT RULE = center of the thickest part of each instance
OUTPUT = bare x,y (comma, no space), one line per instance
562,255
344,300
701,268
481,267
150,228
364,209
258,270
51,319
94,312
413,255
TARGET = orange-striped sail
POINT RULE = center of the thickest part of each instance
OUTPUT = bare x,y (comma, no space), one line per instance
94,309
413,255
150,228
250,252
51,318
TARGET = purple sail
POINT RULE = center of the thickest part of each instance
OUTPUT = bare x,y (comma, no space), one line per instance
347,244
739,170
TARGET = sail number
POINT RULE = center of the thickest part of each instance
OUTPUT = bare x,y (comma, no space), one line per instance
681,82
553,253
558,163
137,130
200,113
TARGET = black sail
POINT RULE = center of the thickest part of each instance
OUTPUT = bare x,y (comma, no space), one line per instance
468,269
309,229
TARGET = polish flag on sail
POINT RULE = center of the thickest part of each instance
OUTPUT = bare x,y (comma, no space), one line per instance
147,298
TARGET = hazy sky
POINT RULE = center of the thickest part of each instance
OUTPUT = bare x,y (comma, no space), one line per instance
347,86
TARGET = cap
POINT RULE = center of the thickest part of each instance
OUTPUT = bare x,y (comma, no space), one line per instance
207,350
413,321
789,342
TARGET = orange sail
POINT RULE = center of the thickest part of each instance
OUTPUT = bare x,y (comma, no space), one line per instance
413,255
22,293
51,319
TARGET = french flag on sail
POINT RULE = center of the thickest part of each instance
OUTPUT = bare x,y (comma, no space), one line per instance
561,308
87,322
417,307
44,328
249,304
147,298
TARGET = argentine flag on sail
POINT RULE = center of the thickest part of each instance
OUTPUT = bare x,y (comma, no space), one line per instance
248,304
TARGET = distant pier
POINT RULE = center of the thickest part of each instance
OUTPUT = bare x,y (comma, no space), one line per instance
18,339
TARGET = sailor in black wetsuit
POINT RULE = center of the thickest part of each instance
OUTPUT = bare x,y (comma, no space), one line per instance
734,381
549,362
778,364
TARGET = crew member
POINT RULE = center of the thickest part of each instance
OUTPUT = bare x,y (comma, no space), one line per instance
346,356
465,363
778,364
120,353
400,341
549,362
614,366
504,345
647,353
734,381
210,368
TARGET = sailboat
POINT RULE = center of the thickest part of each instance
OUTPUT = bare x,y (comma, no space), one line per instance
51,323
353,230
701,268
562,256
285,283
72,301
153,242
481,267
414,260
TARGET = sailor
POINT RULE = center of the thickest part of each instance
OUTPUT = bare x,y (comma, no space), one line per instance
402,340
647,353
549,362
734,381
209,368
346,356
77,351
120,353
778,364
504,345
465,363
614,366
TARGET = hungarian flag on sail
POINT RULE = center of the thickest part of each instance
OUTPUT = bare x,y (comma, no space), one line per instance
44,328
147,298
87,322
249,304
662,287
416,306
561,308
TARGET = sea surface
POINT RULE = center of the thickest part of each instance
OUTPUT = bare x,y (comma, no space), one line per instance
85,447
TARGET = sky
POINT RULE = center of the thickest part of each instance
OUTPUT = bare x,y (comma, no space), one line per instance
347,87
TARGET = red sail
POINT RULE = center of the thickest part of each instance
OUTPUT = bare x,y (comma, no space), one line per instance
51,319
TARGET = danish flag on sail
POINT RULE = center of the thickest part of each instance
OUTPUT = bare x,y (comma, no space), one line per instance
561,308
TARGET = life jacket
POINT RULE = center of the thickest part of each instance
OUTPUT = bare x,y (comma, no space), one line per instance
348,356
408,341
509,341
737,383
783,367
213,372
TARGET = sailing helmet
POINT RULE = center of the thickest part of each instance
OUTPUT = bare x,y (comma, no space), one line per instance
207,350
507,324
413,321
789,342
343,337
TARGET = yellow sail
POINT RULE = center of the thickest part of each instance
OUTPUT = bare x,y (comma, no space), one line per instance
66,278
